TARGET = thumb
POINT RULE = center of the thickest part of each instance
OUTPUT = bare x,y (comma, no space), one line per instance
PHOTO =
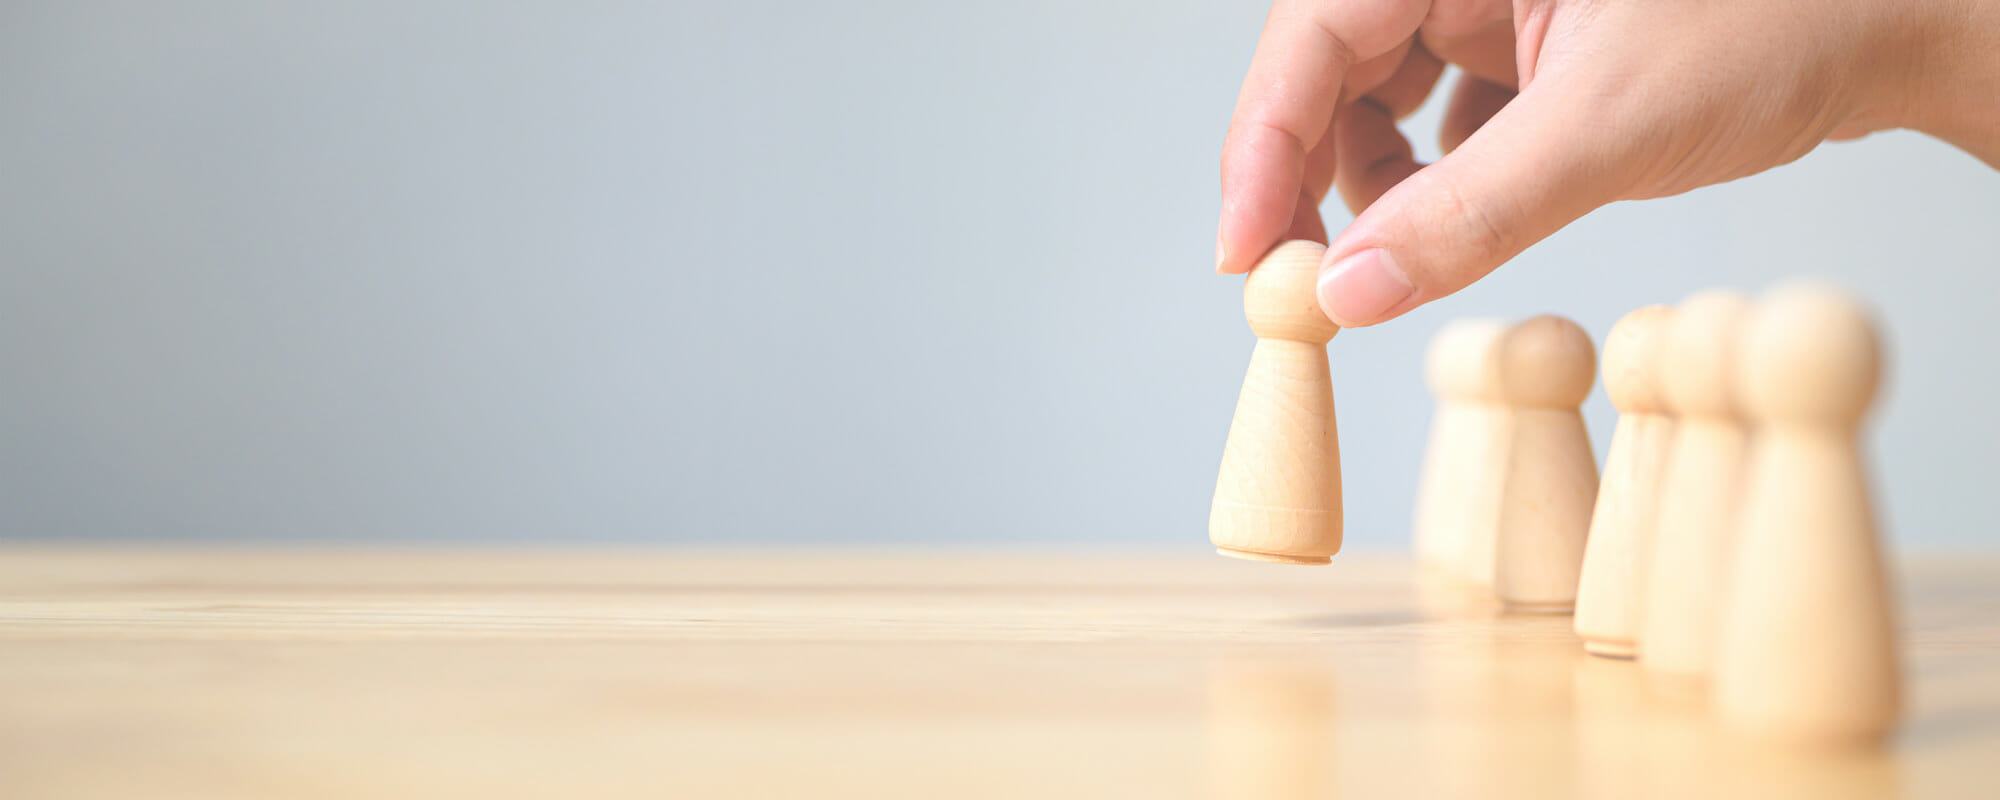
1537,165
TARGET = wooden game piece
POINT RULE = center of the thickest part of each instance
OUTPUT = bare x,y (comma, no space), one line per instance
1808,646
1611,595
1278,495
1456,366
1698,491
1482,469
1547,365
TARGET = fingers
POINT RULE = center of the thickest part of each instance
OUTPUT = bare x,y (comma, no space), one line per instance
1536,166
1473,102
1405,90
1400,92
1287,103
1320,165
1485,49
1374,155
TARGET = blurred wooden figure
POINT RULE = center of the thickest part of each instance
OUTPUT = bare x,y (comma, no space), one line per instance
1547,366
1698,492
1808,648
1459,367
1278,495
1611,595
1483,474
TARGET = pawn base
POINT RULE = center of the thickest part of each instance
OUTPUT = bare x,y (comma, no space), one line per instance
1609,648
1274,558
1539,608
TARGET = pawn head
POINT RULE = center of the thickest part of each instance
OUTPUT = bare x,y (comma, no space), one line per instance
1810,354
1281,298
1632,360
1460,362
1699,351
1546,362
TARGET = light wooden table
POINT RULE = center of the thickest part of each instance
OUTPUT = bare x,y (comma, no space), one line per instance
509,673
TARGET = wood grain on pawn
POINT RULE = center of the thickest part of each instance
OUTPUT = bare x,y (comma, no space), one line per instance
1277,497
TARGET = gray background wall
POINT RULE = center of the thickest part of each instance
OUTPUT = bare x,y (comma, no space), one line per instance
885,272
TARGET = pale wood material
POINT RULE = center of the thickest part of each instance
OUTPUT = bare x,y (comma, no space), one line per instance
1489,432
1699,491
1808,647
1481,468
1547,365
1277,495
1611,595
1461,370
508,673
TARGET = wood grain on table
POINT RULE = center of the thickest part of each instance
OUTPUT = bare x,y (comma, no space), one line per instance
273,673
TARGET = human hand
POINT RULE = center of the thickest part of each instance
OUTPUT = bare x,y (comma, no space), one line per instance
1564,106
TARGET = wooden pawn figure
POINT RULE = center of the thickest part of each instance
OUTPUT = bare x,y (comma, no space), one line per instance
1482,470
1698,492
1808,647
1611,595
1278,495
1547,366
1456,366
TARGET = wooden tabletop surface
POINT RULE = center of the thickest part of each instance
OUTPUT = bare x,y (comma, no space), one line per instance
214,672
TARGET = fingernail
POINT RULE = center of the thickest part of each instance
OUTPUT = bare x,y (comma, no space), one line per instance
1363,288
1219,253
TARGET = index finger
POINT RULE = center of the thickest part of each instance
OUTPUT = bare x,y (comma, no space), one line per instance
1285,107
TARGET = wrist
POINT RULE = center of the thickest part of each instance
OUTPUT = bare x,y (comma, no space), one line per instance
1954,92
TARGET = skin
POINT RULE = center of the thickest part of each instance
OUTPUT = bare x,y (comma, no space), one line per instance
1564,106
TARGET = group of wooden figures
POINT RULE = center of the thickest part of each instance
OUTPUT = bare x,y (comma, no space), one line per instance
1730,545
